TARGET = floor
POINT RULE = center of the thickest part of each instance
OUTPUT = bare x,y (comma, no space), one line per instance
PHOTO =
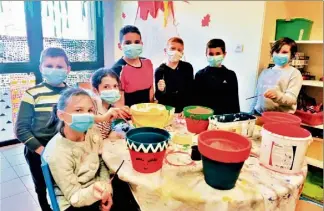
17,188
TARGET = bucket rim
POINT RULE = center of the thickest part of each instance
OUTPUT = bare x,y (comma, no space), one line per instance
244,151
168,135
306,138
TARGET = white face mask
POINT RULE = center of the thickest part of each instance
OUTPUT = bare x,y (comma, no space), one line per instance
174,56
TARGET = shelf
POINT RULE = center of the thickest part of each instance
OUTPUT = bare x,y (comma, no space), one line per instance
317,126
314,162
313,83
306,42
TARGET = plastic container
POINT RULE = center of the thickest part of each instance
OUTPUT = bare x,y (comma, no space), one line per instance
280,117
240,123
283,147
296,28
197,118
151,115
223,155
309,118
147,147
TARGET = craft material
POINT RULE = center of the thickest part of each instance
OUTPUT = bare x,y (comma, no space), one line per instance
280,117
197,118
117,171
223,155
283,147
151,115
241,123
195,154
147,147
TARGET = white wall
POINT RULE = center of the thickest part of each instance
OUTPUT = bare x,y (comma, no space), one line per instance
236,22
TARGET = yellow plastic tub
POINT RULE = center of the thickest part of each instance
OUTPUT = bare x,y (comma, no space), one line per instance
151,115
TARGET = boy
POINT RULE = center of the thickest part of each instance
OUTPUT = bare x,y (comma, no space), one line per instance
216,86
174,79
136,73
35,111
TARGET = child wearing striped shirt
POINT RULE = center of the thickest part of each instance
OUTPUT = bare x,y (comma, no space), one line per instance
106,85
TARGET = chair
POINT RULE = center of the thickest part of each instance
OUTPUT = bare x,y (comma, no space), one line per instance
49,184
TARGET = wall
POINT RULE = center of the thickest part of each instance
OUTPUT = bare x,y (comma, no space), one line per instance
226,23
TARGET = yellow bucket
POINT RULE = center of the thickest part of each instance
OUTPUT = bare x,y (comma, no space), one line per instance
151,115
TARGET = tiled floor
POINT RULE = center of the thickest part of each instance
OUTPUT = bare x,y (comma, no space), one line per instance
17,188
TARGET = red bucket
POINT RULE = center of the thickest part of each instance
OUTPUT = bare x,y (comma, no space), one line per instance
280,117
147,147
196,126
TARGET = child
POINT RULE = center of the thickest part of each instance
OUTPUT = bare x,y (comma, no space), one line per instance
74,155
174,79
136,74
279,87
106,85
216,86
34,112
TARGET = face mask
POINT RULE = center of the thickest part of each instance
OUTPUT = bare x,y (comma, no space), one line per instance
110,96
132,51
174,56
54,76
280,59
81,122
215,61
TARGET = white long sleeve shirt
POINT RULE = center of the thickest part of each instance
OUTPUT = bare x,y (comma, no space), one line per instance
287,84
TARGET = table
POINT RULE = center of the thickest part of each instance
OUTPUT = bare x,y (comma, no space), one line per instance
183,187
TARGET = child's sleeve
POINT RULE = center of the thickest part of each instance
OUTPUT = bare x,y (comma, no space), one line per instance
190,85
62,166
199,91
24,121
289,97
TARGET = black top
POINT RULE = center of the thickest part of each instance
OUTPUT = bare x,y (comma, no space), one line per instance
216,88
179,85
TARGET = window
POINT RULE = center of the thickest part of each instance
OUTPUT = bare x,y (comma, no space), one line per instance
28,27
13,33
71,26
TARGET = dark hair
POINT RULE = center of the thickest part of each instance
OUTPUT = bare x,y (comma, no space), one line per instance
176,40
98,75
61,105
216,43
285,41
128,29
54,52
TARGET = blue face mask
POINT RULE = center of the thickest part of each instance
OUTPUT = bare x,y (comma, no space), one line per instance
110,96
81,122
280,59
54,76
132,51
215,61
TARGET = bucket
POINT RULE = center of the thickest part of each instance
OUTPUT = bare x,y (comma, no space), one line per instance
280,117
147,148
240,123
197,118
284,147
223,155
151,115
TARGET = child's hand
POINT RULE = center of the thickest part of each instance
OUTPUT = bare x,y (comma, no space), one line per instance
271,94
106,202
124,112
161,85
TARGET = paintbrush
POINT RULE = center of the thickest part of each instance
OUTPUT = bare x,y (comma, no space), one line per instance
117,171
253,97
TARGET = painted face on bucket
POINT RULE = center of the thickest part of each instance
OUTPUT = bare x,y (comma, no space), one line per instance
147,162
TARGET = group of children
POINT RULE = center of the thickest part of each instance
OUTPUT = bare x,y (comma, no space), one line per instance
72,124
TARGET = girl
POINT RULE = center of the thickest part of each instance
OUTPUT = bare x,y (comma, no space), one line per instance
174,79
106,85
74,154
278,87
